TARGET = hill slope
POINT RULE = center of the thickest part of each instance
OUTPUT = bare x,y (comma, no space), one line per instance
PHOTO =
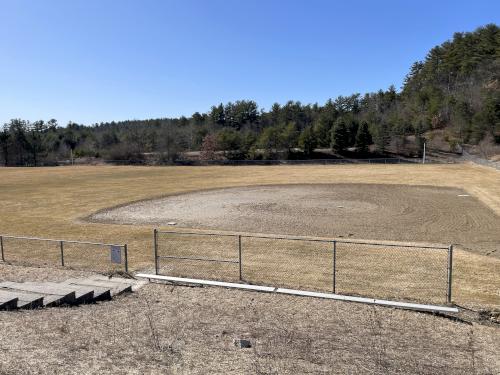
449,99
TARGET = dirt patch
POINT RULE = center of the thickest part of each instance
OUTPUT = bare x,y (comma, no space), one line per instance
369,211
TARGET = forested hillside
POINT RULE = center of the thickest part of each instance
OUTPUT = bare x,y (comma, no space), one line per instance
449,99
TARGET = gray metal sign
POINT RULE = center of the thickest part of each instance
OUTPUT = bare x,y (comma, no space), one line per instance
116,254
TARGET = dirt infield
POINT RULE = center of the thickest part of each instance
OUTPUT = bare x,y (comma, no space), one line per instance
367,211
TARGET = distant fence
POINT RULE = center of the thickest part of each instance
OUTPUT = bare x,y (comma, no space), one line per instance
94,256
478,160
400,271
266,162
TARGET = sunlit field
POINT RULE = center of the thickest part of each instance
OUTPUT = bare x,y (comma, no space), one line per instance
57,202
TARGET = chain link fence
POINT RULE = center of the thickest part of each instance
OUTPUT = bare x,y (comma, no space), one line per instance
46,252
156,160
482,161
400,271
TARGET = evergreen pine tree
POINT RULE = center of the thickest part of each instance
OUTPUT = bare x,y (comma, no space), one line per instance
339,136
307,141
383,137
363,138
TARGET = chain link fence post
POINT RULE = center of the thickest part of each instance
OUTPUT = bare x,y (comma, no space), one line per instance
1,248
450,273
61,245
125,249
239,257
334,266
155,239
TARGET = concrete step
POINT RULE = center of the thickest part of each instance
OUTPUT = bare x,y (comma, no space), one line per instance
33,294
82,294
100,293
136,284
24,300
115,288
8,302
51,296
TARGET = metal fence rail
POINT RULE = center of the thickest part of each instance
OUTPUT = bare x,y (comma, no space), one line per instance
374,269
95,256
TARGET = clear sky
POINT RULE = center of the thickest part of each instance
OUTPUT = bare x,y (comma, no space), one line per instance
100,60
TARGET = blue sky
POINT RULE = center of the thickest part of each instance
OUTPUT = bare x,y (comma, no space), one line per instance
100,60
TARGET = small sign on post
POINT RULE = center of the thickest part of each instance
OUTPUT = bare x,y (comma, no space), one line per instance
116,254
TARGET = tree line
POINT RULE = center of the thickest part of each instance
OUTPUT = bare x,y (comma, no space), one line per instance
453,95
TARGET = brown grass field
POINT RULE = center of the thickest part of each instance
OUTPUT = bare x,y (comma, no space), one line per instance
183,330
163,329
55,202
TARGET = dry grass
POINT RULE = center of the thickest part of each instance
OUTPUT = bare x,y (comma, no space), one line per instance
52,202
180,330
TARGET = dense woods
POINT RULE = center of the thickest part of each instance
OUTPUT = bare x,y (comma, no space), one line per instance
449,99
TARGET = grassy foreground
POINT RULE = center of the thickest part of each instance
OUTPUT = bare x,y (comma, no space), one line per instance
53,202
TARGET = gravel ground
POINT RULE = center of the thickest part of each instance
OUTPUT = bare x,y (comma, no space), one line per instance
182,330
367,211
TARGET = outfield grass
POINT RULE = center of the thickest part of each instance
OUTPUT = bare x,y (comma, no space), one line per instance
54,202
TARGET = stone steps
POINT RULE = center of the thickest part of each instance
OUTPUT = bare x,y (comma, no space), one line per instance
82,295
114,288
99,293
50,295
30,294
8,302
23,300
